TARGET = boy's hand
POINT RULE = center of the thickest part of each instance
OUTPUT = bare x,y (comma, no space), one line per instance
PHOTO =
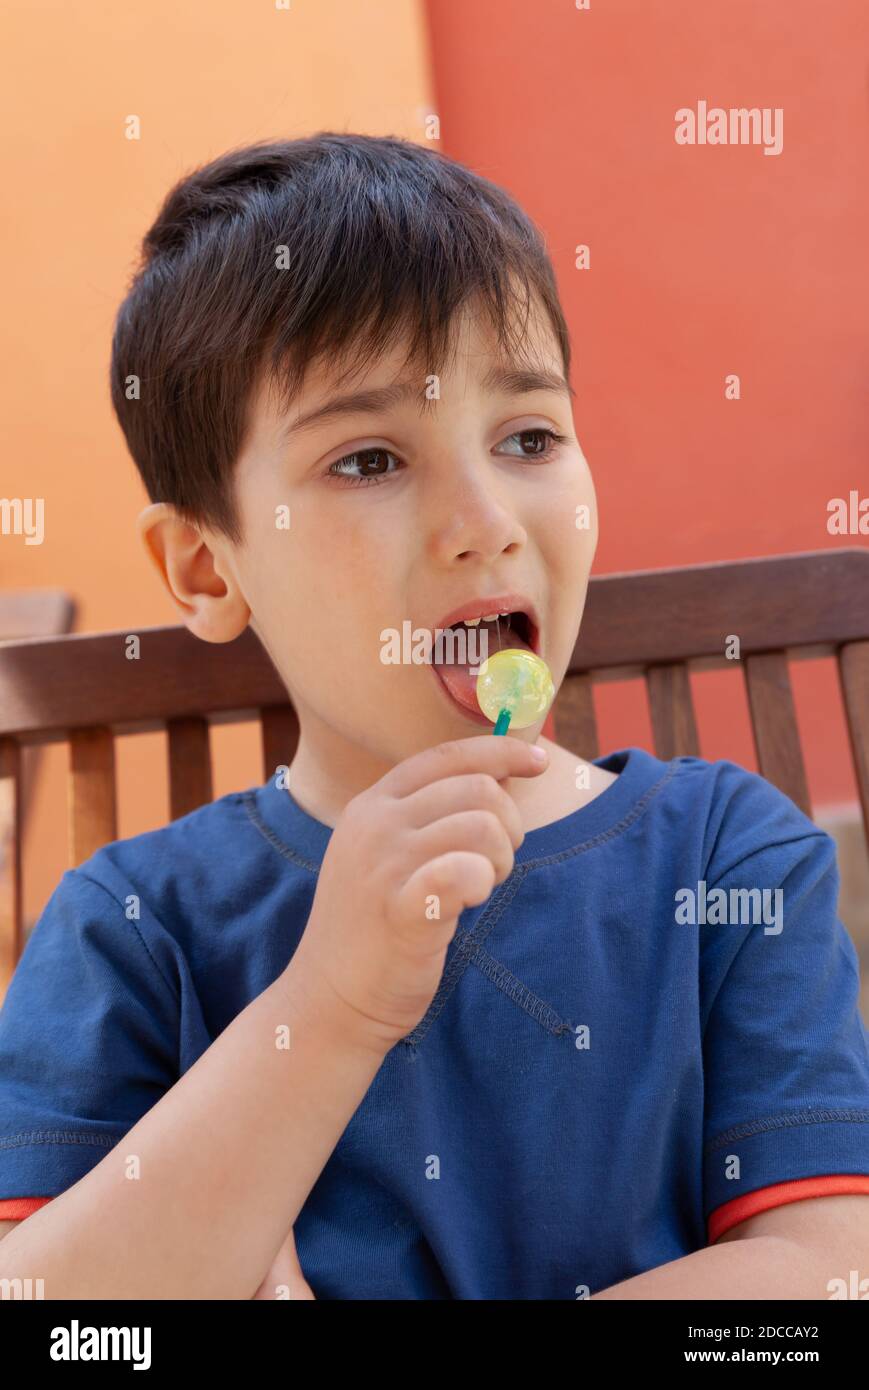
432,837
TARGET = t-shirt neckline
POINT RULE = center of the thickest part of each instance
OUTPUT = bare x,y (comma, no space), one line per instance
637,772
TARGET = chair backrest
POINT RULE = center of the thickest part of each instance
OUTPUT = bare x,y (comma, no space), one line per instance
661,624
23,613
657,625
29,613
35,613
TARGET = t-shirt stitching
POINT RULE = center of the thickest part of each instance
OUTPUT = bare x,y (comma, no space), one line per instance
464,947
558,856
249,803
520,994
59,1136
505,894
772,1122
249,800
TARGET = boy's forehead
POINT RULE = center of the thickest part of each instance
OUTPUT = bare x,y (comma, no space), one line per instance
476,360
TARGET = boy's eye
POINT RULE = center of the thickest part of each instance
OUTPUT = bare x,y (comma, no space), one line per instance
543,441
373,464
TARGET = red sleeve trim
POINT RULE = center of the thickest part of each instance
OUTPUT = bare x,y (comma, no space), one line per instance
721,1220
741,1208
16,1208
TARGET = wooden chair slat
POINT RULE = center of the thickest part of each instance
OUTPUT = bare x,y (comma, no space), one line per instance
674,726
575,721
92,804
280,737
774,725
189,765
84,680
11,931
654,617
854,677
24,613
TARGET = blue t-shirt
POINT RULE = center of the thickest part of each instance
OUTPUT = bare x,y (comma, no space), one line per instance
621,1042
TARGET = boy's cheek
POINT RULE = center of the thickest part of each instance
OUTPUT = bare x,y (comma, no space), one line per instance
568,517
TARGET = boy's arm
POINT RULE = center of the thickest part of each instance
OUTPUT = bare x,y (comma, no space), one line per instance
789,1252
227,1159
285,1279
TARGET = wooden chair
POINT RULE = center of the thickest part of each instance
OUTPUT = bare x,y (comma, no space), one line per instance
25,613
29,613
657,625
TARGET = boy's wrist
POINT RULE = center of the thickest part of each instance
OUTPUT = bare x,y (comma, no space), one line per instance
313,999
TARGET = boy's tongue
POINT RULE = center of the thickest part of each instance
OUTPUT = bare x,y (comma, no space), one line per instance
461,678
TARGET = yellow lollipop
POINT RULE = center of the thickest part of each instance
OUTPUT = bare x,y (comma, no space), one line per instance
514,687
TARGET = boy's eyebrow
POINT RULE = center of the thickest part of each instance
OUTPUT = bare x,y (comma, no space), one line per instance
511,380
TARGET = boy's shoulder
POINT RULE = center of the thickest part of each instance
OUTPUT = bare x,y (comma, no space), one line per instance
743,814
197,916
691,823
732,812
205,848
204,887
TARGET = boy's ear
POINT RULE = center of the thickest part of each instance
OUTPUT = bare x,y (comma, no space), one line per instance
198,578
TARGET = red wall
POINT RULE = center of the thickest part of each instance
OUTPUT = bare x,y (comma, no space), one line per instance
706,260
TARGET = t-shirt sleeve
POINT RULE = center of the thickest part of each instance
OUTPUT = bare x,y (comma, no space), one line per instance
785,1050
88,1038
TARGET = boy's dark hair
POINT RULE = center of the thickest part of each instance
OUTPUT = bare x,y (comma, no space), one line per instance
382,235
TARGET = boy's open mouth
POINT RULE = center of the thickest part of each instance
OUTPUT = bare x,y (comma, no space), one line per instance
459,677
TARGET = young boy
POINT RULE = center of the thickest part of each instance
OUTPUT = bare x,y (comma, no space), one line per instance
441,1006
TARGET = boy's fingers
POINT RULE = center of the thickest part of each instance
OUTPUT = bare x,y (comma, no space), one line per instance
500,757
457,880
452,834
475,790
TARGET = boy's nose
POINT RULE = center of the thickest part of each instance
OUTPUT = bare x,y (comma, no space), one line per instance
472,519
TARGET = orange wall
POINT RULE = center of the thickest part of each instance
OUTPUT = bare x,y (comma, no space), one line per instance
705,261
79,196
